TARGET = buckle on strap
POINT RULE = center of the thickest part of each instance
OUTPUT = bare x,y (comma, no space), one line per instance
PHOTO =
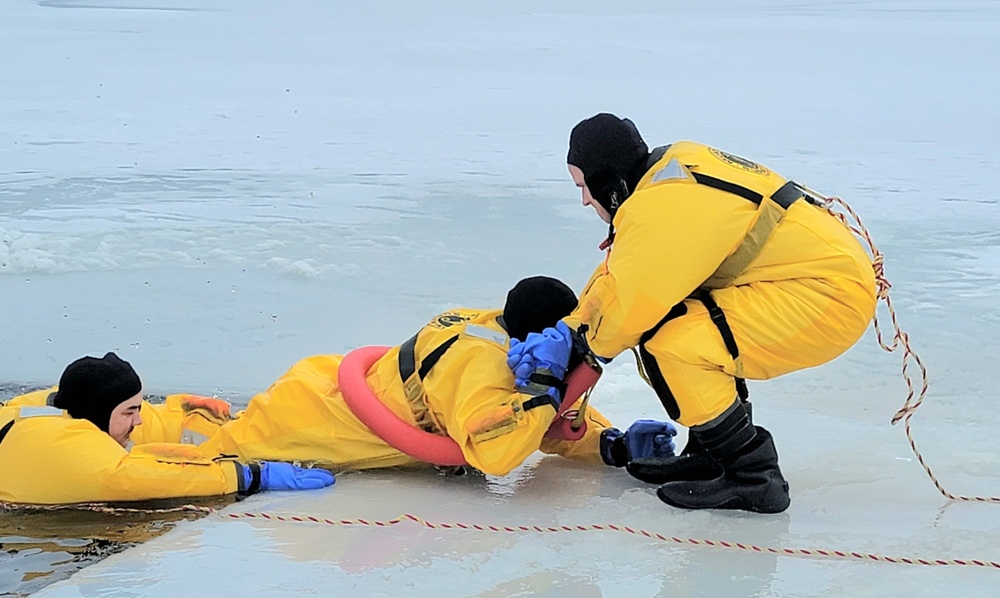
787,194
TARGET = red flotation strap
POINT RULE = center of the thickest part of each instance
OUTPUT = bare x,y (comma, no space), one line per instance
424,446
579,381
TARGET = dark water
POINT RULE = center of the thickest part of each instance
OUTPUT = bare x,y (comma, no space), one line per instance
40,547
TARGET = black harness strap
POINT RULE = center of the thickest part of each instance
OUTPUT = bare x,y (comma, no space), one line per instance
719,319
5,429
434,356
787,194
254,479
408,358
784,197
656,379
538,401
721,185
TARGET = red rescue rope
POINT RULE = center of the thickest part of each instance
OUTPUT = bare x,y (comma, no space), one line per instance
900,339
485,527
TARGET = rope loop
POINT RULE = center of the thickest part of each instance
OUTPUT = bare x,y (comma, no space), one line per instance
900,339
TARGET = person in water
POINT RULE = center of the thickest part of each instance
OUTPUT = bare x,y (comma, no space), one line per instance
74,445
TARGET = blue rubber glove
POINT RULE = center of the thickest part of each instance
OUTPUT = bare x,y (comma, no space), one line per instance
285,476
549,350
545,355
650,438
645,438
519,361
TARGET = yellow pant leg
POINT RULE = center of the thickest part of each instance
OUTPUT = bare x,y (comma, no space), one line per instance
303,417
780,327
795,324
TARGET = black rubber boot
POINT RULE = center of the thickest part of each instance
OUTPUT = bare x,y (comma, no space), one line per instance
694,463
750,479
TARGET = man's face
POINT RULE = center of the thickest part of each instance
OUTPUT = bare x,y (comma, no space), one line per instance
588,199
124,419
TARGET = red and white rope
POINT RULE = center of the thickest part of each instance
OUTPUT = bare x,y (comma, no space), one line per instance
484,527
900,339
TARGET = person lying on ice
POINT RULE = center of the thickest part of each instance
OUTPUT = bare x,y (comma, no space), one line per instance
73,449
449,383
718,270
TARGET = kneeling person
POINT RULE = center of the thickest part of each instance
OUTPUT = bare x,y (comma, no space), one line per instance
450,379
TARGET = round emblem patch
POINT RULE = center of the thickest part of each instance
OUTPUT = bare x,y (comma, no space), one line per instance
738,162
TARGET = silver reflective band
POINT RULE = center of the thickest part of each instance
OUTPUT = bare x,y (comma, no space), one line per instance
39,411
476,331
673,170
192,437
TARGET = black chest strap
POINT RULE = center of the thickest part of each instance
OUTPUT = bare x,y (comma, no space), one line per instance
412,377
5,429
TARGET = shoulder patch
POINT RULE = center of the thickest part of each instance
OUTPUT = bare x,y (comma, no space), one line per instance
450,318
27,412
738,162
477,331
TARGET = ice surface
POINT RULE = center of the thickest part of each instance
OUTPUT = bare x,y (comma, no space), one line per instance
217,189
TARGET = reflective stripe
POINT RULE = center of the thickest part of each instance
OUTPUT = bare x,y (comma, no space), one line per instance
673,171
27,412
192,437
476,331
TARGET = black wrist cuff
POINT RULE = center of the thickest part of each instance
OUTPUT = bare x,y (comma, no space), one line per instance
254,486
619,452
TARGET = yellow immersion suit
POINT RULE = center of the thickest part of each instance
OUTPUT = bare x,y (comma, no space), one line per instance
47,457
468,394
805,297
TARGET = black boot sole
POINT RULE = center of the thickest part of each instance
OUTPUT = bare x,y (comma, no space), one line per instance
690,467
776,502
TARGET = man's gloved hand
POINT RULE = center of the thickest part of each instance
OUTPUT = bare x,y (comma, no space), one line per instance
219,409
644,439
274,475
650,438
539,363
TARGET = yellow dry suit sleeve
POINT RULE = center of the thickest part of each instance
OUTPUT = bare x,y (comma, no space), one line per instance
586,449
186,418
669,240
485,415
169,470
35,398
54,459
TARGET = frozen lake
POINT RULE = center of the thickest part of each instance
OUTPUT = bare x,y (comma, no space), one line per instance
218,189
